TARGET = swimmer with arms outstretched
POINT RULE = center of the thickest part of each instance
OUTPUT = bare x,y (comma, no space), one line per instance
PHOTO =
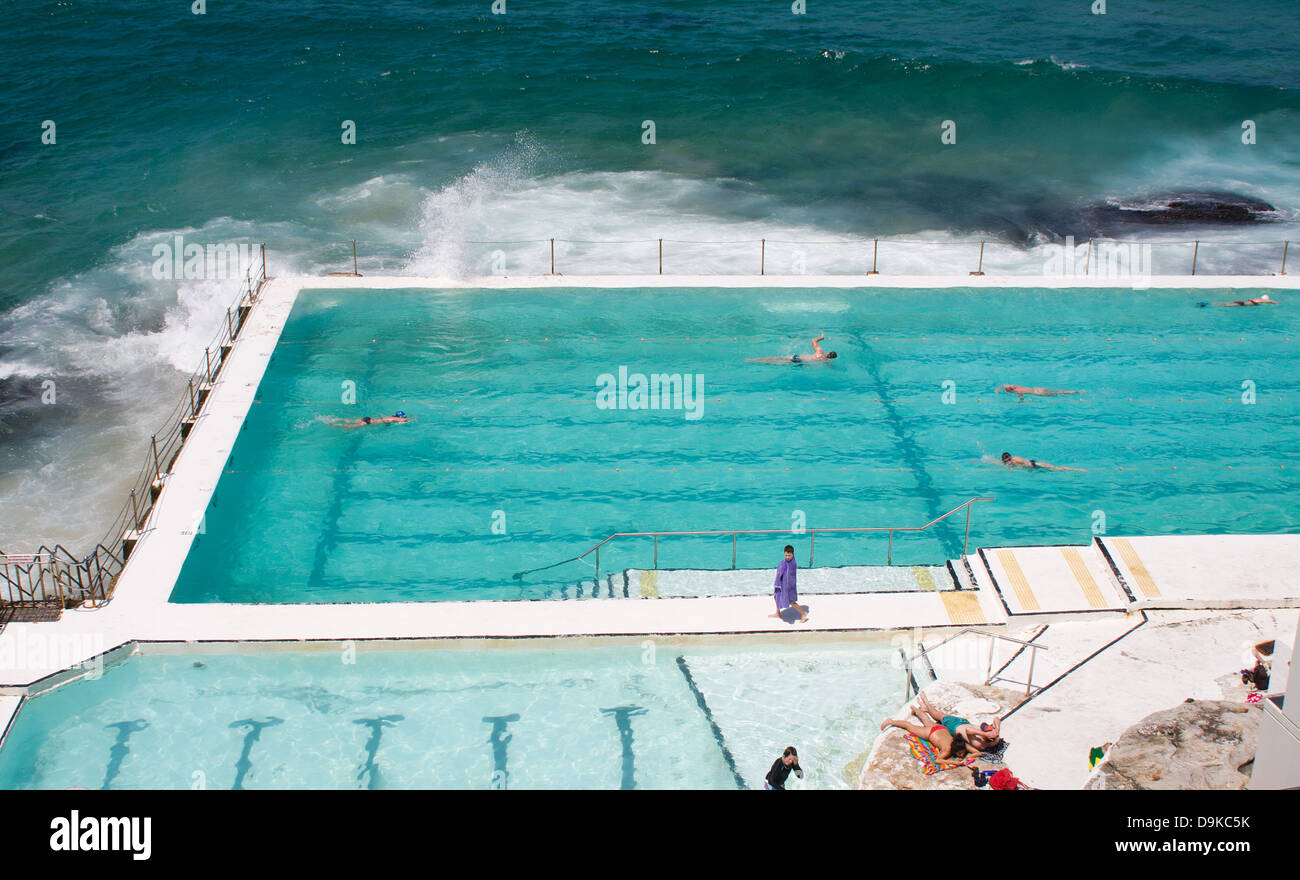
396,418
1021,391
817,356
1262,300
1029,464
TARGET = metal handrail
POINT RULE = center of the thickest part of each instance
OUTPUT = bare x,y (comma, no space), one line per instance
1033,647
54,575
812,533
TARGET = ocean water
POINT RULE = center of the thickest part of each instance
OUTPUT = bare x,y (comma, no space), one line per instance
225,128
1186,424
632,716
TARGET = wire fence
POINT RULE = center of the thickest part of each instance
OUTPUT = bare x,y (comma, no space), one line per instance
1096,258
55,576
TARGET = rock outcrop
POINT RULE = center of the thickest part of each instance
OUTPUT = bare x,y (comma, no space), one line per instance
1199,744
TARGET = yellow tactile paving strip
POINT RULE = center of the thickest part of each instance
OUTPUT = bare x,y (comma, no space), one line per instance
1025,596
1084,577
962,606
1137,568
924,579
649,585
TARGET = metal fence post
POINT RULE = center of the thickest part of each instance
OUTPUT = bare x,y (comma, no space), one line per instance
875,252
762,258
656,552
135,512
733,551
661,256
980,269
812,546
552,256
157,468
1087,259
354,257
889,554
1285,245
207,359
194,406
1196,247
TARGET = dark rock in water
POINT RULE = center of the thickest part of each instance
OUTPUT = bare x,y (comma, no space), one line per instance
1170,209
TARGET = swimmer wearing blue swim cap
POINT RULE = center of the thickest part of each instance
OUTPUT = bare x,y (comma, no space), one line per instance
397,418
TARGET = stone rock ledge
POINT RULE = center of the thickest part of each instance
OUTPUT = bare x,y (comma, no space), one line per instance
1199,744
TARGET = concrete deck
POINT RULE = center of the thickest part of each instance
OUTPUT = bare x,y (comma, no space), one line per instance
1248,571
1053,580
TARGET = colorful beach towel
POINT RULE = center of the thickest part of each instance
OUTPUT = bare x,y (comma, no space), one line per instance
924,752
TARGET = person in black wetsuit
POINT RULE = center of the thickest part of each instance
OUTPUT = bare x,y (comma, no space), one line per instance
781,769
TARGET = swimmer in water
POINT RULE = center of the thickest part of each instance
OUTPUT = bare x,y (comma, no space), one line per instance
396,418
1262,300
818,356
1021,391
1029,464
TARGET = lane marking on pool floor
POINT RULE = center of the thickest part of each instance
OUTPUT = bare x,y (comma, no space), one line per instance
1138,569
1024,595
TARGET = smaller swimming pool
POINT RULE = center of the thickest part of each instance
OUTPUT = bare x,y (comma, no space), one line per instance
544,714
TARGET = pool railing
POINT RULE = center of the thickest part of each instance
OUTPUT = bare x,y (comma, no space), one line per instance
735,533
911,686
1098,257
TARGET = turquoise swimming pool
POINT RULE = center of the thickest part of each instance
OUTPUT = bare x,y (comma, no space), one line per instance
634,714
514,460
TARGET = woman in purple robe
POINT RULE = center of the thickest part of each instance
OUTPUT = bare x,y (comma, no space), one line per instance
785,589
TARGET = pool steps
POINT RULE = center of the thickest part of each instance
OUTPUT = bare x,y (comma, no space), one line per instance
697,583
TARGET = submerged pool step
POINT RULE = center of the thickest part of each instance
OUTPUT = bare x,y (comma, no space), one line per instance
610,586
689,583
684,583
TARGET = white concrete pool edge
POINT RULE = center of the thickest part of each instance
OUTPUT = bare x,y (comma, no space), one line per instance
521,282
